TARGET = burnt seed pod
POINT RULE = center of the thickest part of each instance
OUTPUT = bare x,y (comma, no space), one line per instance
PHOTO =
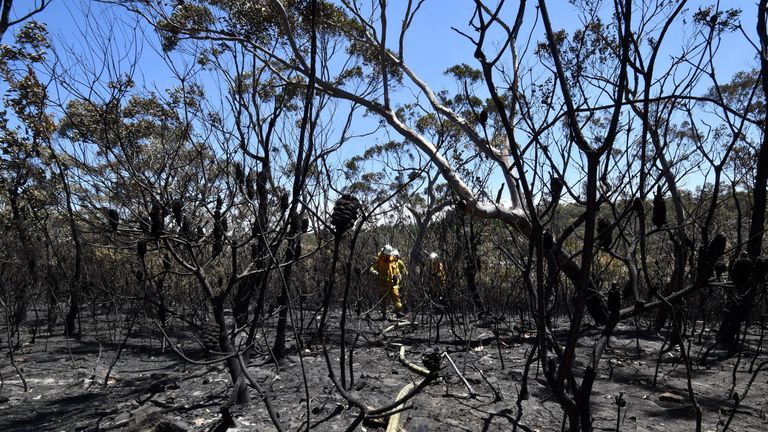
461,207
720,268
483,117
761,268
177,209
186,228
218,246
548,242
250,189
141,248
294,223
556,188
284,202
345,213
614,300
114,219
716,247
239,174
156,218
659,218
604,233
741,270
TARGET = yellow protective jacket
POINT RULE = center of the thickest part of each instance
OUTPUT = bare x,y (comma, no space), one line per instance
437,274
390,270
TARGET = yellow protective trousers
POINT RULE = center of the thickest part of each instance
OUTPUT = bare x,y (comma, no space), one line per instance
391,293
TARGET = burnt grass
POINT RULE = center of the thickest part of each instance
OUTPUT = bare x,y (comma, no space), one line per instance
151,387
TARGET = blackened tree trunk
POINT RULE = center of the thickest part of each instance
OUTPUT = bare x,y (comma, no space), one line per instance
240,390
739,308
294,251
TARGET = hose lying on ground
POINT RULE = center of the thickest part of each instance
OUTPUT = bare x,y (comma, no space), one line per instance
394,419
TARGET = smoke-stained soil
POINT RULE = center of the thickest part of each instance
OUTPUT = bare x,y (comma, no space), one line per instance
151,388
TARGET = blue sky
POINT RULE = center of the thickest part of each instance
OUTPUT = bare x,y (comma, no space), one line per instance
432,46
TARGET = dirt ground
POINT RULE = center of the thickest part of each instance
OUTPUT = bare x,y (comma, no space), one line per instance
151,388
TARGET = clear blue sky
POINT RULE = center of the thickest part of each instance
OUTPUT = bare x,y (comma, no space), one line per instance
432,46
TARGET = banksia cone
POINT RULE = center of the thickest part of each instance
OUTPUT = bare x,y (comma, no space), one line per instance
284,202
344,213
637,206
604,233
239,174
156,217
659,218
614,300
114,219
250,190
141,248
720,268
186,228
716,247
304,223
548,241
210,335
461,206
176,208
556,188
483,117
431,359
218,245
218,228
761,268
741,270
218,238
294,223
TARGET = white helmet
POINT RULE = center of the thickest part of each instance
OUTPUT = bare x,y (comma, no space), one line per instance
432,255
395,252
388,250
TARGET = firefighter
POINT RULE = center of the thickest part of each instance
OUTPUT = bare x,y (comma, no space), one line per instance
437,279
437,283
390,270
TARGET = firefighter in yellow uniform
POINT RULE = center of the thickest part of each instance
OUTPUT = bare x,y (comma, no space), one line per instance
437,291
437,276
390,270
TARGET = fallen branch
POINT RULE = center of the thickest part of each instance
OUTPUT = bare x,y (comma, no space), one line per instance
464,380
